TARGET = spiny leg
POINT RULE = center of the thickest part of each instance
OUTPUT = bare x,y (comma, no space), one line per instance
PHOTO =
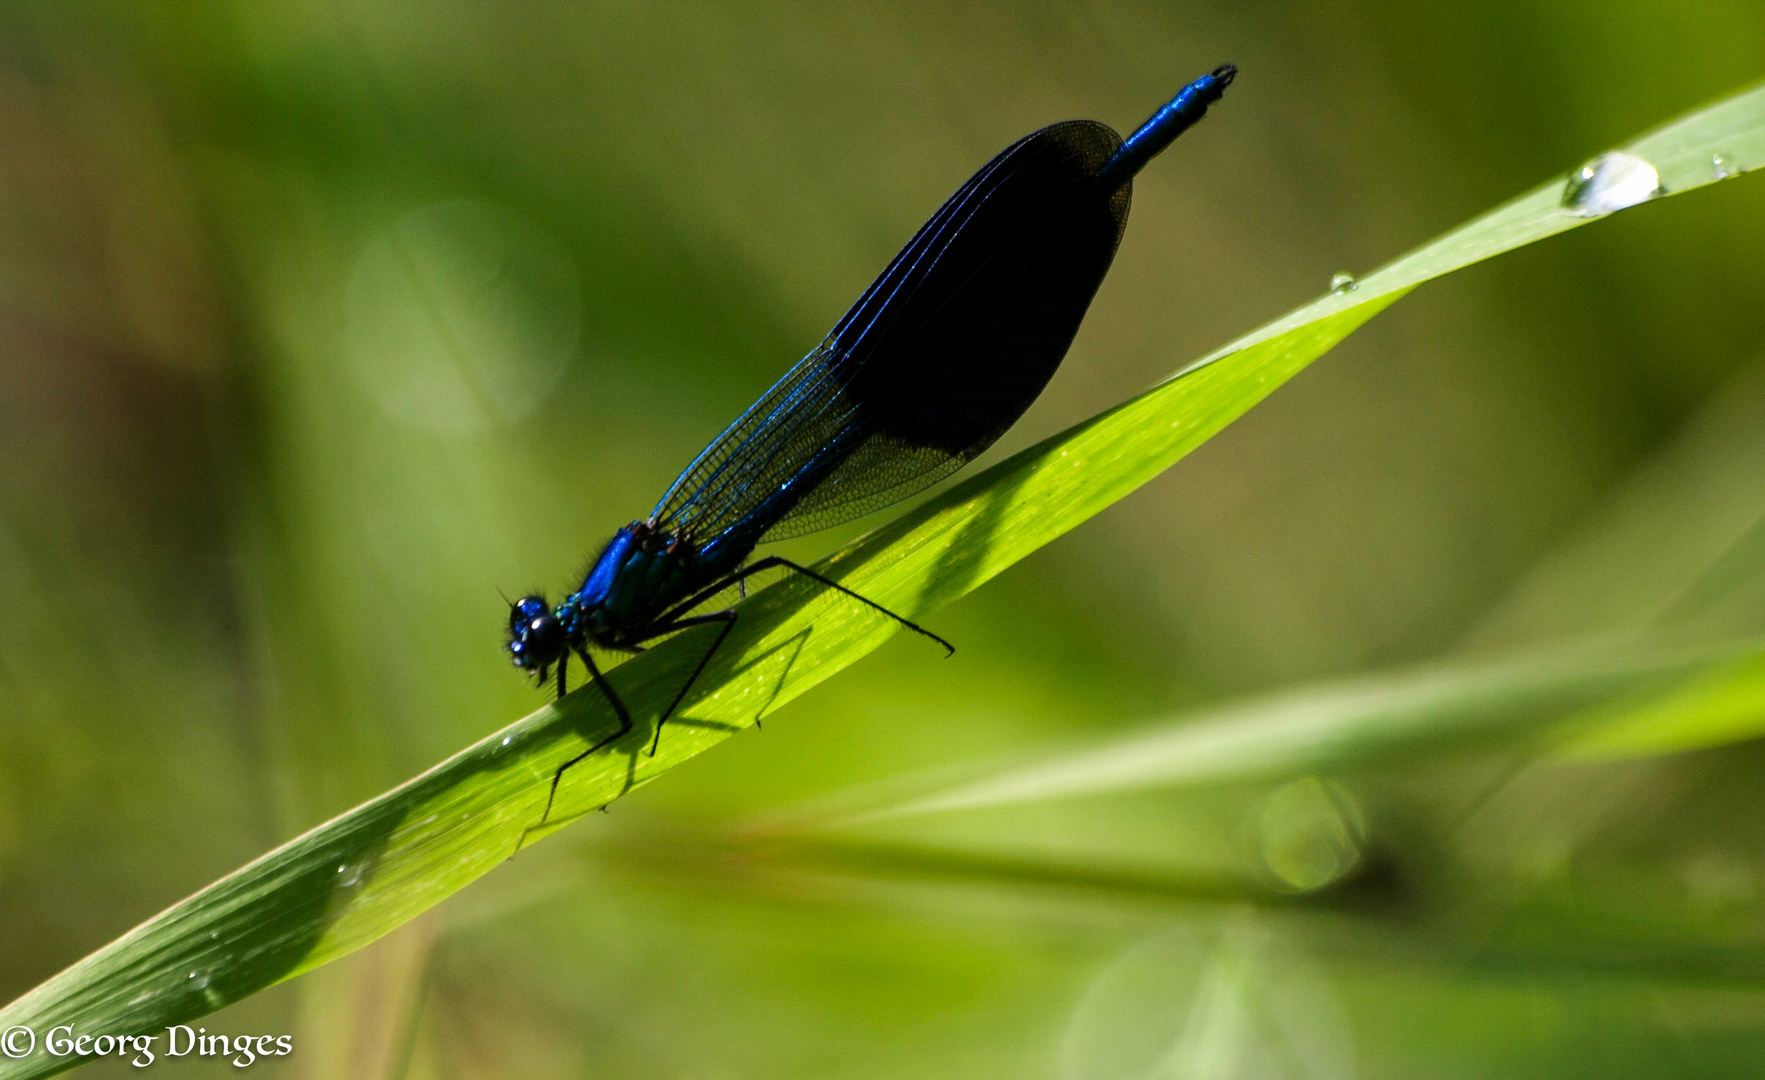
771,561
671,621
727,618
618,707
667,622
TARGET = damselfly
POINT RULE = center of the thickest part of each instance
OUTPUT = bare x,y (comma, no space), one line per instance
933,363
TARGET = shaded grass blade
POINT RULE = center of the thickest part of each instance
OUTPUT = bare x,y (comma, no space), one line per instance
1580,704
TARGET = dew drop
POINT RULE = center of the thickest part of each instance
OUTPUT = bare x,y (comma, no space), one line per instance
1721,166
199,980
1343,282
1611,182
351,876
507,739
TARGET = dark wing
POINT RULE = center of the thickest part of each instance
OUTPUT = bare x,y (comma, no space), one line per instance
940,355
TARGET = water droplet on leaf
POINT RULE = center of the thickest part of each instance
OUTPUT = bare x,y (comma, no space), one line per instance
1343,283
1611,182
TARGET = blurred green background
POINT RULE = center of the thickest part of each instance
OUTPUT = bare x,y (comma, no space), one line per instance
322,322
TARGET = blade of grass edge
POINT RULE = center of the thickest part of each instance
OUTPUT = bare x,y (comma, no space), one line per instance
350,880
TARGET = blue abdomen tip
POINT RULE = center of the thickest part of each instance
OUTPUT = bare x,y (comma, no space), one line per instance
1176,117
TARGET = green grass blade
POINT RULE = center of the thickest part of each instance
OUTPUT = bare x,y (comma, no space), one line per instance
1582,704
353,879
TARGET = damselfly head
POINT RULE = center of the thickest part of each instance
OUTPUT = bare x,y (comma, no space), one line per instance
536,637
